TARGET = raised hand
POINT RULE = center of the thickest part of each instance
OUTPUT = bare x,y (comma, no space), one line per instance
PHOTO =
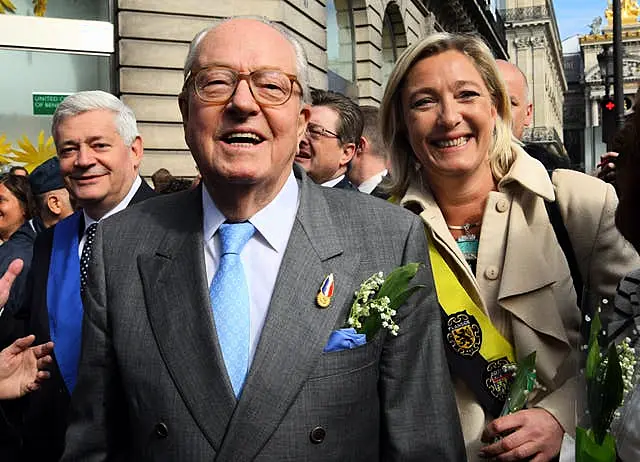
21,367
6,282
607,167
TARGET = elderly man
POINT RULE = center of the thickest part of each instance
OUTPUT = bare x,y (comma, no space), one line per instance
369,165
522,114
99,150
331,140
205,328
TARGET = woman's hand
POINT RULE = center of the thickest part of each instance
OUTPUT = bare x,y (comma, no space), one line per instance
530,433
606,169
21,367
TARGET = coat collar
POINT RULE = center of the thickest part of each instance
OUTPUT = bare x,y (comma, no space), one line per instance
529,174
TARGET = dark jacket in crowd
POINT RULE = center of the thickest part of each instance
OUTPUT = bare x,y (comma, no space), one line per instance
45,412
549,160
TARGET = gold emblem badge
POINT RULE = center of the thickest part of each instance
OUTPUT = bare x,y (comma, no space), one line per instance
496,379
323,299
464,334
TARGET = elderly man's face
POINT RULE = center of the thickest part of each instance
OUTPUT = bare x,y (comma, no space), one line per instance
521,107
242,142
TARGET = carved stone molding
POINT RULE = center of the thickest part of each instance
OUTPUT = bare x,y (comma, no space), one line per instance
630,71
538,41
527,13
541,135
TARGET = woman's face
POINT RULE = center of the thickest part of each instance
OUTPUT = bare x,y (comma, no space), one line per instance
449,115
12,215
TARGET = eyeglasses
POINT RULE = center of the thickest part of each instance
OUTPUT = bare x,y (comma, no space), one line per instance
217,85
317,132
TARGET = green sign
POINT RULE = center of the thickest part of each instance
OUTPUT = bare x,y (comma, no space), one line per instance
46,103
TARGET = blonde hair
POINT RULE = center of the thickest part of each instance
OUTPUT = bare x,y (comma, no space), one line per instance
404,164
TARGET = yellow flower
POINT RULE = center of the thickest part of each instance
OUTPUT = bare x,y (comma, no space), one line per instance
31,156
6,153
6,5
39,7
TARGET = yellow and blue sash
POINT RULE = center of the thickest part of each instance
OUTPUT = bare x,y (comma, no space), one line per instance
476,351
64,303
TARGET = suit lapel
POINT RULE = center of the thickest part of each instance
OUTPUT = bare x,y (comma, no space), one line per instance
296,329
180,315
144,192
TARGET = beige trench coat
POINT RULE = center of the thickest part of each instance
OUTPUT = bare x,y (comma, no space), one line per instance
523,280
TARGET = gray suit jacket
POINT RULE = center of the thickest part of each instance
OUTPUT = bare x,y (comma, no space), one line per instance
152,384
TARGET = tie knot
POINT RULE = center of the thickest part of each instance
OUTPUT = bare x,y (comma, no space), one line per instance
91,229
234,236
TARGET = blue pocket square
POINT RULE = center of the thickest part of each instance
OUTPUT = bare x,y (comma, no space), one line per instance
344,339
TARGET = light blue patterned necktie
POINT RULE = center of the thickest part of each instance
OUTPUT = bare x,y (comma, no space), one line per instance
230,301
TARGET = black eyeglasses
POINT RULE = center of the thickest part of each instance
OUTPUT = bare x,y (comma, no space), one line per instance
317,132
217,85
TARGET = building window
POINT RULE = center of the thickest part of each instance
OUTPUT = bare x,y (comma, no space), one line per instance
394,40
68,9
341,63
44,59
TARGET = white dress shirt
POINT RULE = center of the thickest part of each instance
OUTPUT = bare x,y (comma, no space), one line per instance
332,183
370,184
88,221
261,256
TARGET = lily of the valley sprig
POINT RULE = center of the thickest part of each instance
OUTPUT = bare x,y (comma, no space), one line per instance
378,298
609,374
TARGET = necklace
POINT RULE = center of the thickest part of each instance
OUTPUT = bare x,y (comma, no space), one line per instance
466,227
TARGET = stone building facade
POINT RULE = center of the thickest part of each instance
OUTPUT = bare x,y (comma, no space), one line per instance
534,46
352,46
582,112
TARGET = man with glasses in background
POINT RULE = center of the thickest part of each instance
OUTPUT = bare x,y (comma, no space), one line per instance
331,140
204,338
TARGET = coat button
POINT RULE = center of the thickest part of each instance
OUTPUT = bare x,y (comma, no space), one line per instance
161,430
502,205
491,273
317,435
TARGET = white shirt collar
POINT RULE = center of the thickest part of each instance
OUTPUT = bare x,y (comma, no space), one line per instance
332,183
268,221
118,208
370,184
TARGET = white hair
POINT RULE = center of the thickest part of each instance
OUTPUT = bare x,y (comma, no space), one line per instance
85,101
302,65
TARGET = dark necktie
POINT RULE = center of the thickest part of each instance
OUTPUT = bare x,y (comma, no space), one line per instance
85,258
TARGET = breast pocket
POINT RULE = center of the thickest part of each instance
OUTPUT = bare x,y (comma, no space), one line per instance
348,361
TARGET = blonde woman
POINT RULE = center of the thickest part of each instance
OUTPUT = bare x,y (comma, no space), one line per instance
502,278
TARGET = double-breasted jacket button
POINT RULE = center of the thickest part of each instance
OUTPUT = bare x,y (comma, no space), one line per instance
502,205
317,435
491,273
161,430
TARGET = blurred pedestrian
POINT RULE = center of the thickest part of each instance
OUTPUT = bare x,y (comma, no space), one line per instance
368,167
18,170
16,204
161,179
331,139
